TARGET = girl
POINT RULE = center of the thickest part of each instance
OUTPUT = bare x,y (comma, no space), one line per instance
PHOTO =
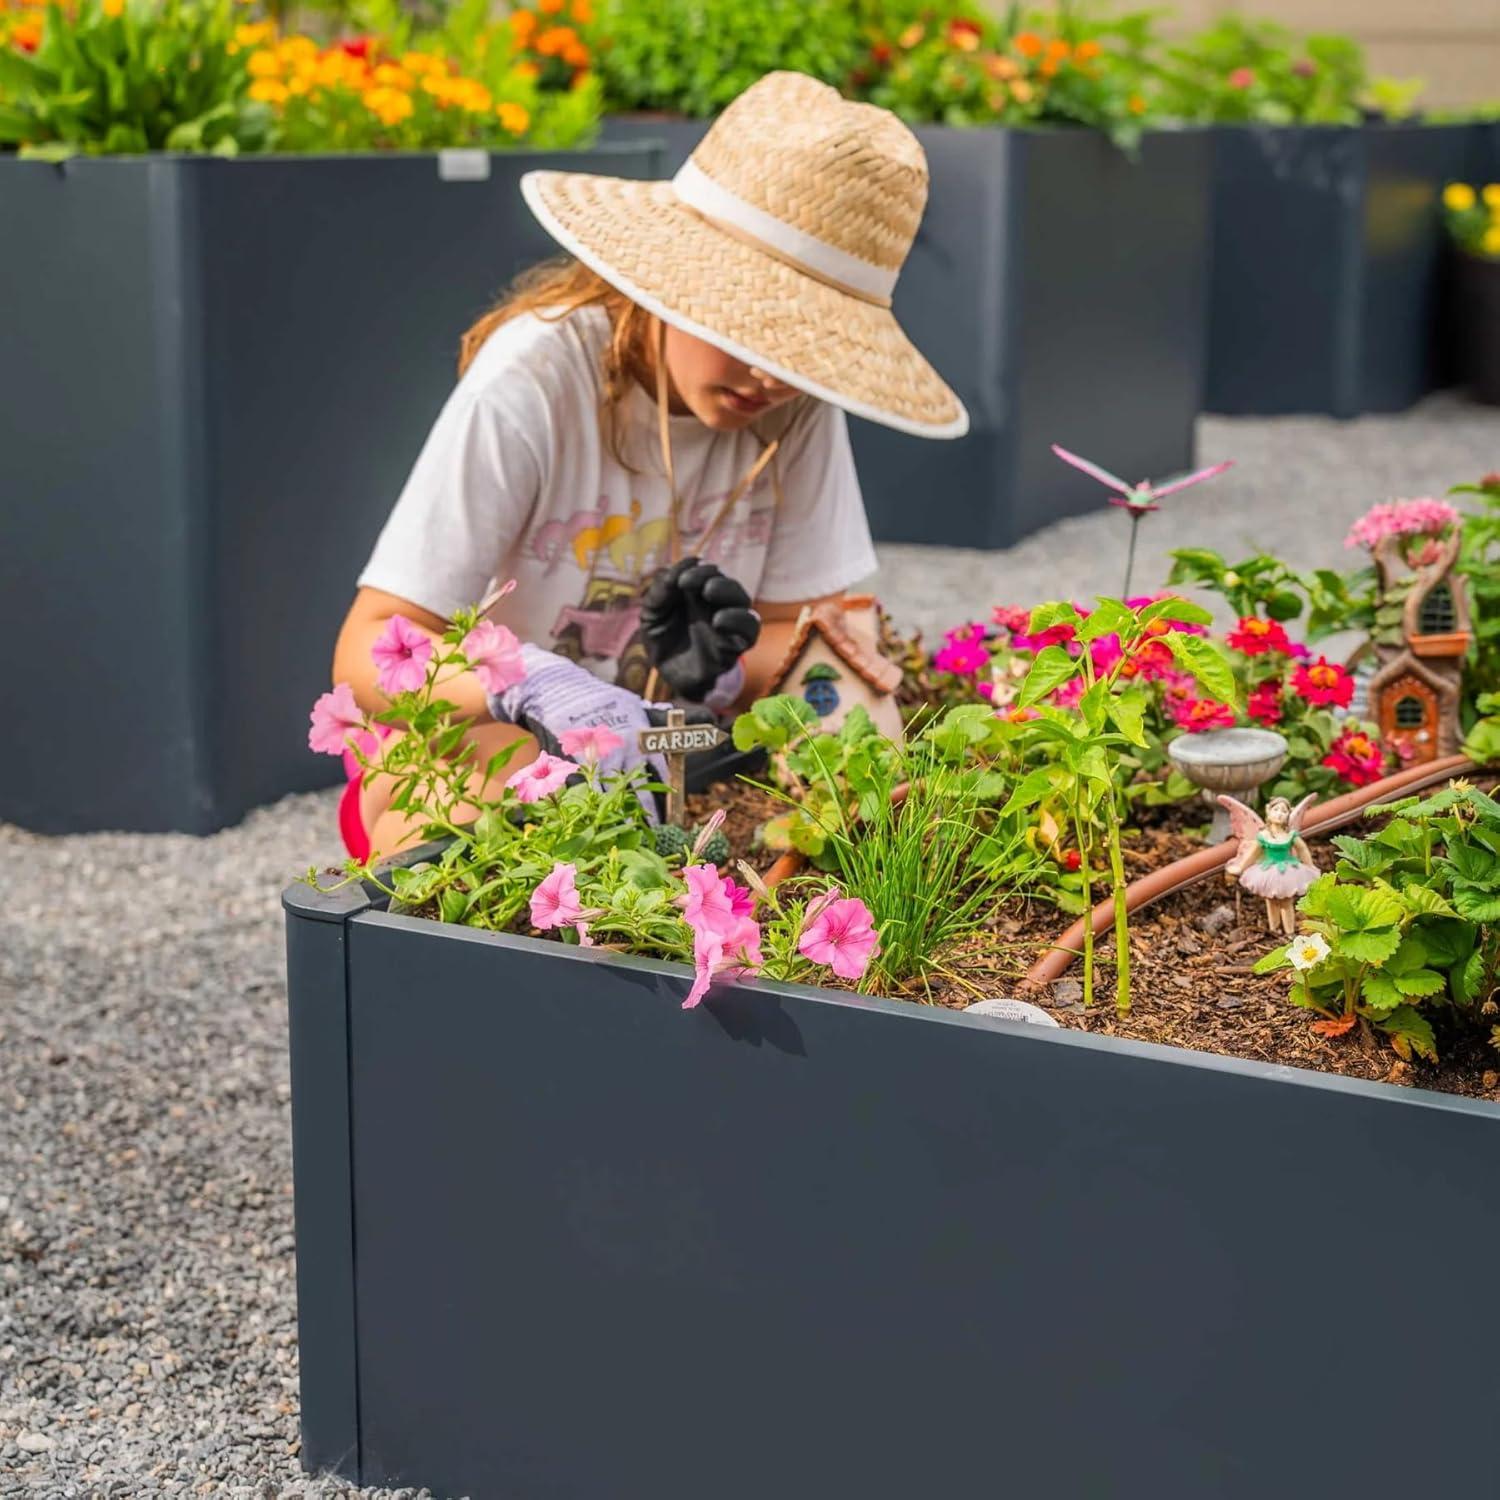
649,437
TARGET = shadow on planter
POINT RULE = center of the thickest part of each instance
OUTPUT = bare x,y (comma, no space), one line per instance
214,377
555,1235
1475,315
1059,288
1326,284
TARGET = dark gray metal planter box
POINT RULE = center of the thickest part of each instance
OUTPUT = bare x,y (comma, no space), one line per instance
214,377
556,1237
1328,251
1060,288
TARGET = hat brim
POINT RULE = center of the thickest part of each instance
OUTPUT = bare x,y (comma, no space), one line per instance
677,265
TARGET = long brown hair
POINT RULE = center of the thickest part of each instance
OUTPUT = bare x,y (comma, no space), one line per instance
555,290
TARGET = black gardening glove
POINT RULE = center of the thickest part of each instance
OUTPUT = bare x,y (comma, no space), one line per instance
696,624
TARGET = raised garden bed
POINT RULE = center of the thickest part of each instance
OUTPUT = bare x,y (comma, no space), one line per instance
1328,251
1045,336
216,376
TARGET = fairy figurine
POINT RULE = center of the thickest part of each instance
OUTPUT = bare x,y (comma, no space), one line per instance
1273,860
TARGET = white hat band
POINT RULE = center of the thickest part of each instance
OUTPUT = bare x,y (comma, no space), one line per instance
785,242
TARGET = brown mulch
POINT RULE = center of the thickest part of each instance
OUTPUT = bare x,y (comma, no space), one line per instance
1191,958
745,809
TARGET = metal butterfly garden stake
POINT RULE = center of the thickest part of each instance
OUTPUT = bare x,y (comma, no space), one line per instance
1137,499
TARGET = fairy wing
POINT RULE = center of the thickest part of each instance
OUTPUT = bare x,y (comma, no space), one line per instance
1300,811
1244,822
1181,484
1102,475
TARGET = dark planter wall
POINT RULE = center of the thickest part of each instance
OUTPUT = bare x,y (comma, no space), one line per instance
1059,287
214,377
1327,266
798,1243
1476,325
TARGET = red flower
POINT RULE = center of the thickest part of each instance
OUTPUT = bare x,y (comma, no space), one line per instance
1150,661
1265,703
1197,714
1324,681
965,35
1072,860
1011,617
1241,78
1255,637
1056,635
1356,758
356,46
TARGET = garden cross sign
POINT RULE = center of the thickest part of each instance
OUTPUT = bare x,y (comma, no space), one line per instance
675,740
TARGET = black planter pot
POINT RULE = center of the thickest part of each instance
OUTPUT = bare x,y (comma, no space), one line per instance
1476,325
1060,288
214,377
556,1236
1327,266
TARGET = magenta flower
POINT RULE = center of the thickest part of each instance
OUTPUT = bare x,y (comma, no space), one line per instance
495,655
707,906
590,744
1106,651
554,903
963,651
1068,694
541,777
334,716
741,901
401,654
840,934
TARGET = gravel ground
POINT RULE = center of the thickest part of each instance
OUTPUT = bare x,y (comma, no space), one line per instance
147,1319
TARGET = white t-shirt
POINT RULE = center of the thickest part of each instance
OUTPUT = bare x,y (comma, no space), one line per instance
517,481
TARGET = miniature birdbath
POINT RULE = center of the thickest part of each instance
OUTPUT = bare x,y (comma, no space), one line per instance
1228,760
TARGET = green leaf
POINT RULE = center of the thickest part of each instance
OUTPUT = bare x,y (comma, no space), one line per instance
1379,991
1283,604
1369,947
1052,667
452,905
1128,712
1184,611
1426,902
1208,664
1359,909
1467,977
1420,983
1410,1031
1476,903
1110,618
1275,959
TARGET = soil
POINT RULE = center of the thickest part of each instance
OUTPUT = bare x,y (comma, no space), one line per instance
1191,953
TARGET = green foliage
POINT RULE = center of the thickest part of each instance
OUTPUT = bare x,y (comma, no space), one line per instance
1408,919
154,77
1264,586
1479,563
692,57
1242,70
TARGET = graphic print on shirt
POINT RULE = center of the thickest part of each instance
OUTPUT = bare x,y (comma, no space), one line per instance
617,552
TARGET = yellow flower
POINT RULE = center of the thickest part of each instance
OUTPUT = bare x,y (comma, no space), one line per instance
112,8
513,118
253,36
268,91
526,70
263,65
390,106
1491,195
912,35
1491,241
421,62
1137,105
1458,196
393,77
1021,91
298,85
296,49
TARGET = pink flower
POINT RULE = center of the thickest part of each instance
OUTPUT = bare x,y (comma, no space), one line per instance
333,717
1324,682
1264,705
1068,694
840,934
541,777
554,903
1254,637
1150,660
985,689
495,654
1241,78
1356,757
1011,617
733,952
1055,635
741,901
707,906
1197,714
401,654
1423,517
963,651
589,744
1106,651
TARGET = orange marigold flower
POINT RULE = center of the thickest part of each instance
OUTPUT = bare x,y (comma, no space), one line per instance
522,25
912,35
112,8
963,34
263,65
998,66
1027,43
526,70
554,39
1137,105
1058,48
1048,67
576,55
1087,51
268,91
513,117
583,12
549,7
393,77
1021,91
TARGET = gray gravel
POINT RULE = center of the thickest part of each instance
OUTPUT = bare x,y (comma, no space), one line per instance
147,1319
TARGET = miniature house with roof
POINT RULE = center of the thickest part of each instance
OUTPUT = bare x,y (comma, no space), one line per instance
834,662
1421,636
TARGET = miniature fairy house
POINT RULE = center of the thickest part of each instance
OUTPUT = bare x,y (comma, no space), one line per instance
833,661
1420,639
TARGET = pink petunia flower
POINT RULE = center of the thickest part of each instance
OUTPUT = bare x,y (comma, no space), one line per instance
840,934
590,744
401,653
731,953
495,654
334,717
741,900
541,777
707,906
554,903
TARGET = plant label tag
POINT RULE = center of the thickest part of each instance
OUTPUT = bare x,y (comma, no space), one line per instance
680,739
463,164
1011,1010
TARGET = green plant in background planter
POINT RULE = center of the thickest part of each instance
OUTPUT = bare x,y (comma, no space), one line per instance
130,76
1473,218
1244,71
1405,929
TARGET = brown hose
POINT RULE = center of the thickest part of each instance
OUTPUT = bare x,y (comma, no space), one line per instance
1324,817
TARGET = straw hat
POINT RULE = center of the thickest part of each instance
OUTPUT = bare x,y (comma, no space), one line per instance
778,242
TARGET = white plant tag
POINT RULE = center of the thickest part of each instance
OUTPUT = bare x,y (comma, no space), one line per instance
1011,1010
463,164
